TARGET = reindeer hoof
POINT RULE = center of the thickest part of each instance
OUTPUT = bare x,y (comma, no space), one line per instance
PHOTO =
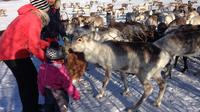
126,93
183,71
157,104
99,96
128,110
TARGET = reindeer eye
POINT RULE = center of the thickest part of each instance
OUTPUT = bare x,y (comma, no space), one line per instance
79,39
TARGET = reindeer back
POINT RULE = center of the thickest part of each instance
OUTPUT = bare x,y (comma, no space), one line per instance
184,40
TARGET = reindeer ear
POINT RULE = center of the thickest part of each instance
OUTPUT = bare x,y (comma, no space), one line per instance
94,33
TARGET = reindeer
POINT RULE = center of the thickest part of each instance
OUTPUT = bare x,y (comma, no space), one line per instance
108,33
145,60
104,35
177,21
169,18
183,40
131,31
2,12
174,23
100,9
193,18
76,62
130,16
162,30
194,21
119,12
152,20
192,14
95,21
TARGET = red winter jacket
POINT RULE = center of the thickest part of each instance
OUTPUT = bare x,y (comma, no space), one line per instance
22,36
55,76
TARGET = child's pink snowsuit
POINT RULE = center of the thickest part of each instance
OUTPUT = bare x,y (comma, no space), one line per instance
56,76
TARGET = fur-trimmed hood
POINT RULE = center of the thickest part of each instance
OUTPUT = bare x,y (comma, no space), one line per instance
45,18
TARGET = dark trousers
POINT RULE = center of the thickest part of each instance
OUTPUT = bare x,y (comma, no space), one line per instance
26,76
56,100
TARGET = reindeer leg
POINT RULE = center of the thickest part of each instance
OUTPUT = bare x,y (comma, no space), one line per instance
105,83
176,60
162,86
147,91
185,64
169,69
126,91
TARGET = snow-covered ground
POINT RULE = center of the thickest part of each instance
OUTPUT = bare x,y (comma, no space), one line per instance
182,93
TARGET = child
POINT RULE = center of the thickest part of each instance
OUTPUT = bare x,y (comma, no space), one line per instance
54,81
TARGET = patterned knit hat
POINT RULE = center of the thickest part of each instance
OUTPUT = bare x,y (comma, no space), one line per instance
40,4
55,52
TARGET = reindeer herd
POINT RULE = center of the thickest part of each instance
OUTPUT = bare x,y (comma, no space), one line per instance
143,48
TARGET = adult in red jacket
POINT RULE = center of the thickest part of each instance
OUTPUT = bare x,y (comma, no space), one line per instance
19,42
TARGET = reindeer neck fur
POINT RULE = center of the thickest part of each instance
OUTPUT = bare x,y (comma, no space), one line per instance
92,53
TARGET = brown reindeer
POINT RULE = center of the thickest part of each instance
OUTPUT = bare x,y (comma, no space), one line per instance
152,20
103,35
95,21
132,31
177,21
145,60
